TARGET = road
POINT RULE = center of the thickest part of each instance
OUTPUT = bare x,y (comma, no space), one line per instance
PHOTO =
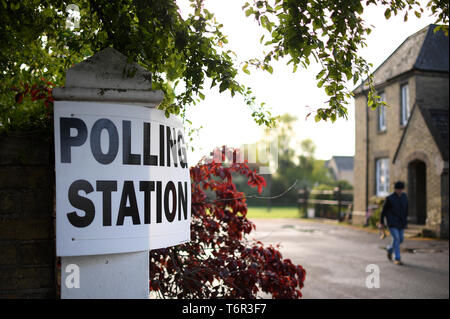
336,256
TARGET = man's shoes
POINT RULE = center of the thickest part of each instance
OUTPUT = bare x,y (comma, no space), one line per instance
398,262
389,255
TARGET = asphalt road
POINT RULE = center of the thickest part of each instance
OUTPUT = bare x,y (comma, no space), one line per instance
336,256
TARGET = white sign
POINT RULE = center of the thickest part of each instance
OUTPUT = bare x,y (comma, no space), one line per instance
122,179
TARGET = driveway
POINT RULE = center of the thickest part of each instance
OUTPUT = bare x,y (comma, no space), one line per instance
336,256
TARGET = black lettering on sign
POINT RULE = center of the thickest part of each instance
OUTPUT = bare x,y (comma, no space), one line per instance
161,145
148,159
83,203
174,197
67,141
182,150
113,148
171,147
132,210
128,157
182,200
170,188
158,202
107,187
147,187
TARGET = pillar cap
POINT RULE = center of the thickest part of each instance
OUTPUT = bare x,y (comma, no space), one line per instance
107,76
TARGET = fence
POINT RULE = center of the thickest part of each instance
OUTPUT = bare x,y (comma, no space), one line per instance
339,198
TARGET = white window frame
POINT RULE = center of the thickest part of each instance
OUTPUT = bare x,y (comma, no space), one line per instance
404,100
382,114
382,176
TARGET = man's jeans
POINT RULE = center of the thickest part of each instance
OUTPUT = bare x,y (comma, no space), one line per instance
397,239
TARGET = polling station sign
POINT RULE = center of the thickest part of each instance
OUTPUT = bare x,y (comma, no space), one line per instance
122,179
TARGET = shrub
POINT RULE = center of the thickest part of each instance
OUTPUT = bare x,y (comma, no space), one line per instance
31,109
376,206
220,261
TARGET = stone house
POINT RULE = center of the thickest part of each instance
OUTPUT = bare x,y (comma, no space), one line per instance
341,167
408,139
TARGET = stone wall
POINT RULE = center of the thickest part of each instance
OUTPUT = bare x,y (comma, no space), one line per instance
418,144
360,169
433,89
428,89
445,213
384,144
27,245
381,144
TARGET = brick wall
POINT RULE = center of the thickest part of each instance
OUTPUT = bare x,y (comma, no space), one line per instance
27,245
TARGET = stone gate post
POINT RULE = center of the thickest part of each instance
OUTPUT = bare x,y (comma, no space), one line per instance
107,77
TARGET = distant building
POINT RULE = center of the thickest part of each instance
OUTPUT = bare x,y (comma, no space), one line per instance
341,167
408,140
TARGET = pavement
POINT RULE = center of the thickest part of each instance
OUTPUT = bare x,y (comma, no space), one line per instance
338,260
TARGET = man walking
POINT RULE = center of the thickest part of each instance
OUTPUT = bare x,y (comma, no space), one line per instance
395,210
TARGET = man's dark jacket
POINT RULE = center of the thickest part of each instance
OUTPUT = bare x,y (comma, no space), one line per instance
395,210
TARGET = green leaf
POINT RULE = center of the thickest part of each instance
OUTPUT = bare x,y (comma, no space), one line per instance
320,74
320,84
223,86
244,68
329,90
268,68
333,117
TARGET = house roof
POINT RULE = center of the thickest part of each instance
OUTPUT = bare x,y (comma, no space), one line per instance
424,50
437,123
343,162
433,55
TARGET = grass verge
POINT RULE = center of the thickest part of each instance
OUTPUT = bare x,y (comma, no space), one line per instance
275,212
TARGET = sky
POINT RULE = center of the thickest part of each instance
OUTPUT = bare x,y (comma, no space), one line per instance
227,121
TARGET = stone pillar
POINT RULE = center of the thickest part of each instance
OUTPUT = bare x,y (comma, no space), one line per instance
108,77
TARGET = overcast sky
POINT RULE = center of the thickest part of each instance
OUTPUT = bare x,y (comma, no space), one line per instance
227,121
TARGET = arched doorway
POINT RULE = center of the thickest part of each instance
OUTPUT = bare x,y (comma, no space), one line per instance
417,192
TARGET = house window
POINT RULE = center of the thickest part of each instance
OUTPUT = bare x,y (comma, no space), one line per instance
405,110
382,114
382,177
